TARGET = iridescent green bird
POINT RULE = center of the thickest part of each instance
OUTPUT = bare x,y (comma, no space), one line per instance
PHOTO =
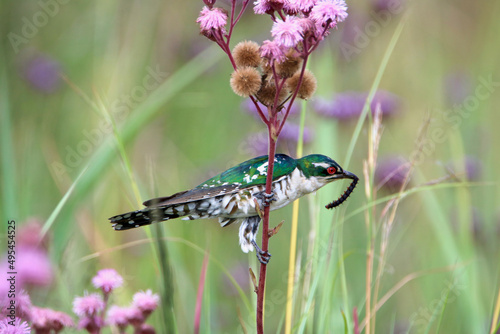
230,196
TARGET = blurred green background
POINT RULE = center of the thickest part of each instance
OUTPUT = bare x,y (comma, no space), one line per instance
167,89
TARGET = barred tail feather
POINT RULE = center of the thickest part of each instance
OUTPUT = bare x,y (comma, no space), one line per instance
138,218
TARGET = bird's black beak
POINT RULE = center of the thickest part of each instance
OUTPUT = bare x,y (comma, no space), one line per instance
345,175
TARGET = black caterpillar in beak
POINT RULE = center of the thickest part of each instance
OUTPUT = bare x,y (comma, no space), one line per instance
346,194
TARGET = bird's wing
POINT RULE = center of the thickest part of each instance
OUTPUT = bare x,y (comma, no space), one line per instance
252,172
192,195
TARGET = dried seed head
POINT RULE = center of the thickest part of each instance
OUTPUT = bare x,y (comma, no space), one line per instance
247,54
267,93
307,87
245,81
265,66
290,65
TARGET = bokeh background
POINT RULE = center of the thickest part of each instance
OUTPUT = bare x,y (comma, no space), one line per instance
70,67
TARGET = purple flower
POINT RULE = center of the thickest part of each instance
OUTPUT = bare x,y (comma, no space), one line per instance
255,144
23,304
350,33
345,106
392,6
473,168
32,262
146,301
267,6
290,132
118,316
88,305
88,308
389,103
135,316
30,233
92,324
209,3
107,280
391,173
145,329
212,19
18,328
294,110
328,13
33,267
293,7
248,106
308,25
42,73
272,51
45,320
39,319
349,105
287,33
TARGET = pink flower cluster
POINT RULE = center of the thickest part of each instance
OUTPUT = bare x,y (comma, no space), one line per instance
143,304
14,326
107,280
34,269
42,320
299,24
212,22
33,265
91,307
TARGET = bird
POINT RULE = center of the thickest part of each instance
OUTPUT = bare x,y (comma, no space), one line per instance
237,195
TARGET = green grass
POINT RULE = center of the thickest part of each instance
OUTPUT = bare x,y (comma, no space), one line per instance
430,272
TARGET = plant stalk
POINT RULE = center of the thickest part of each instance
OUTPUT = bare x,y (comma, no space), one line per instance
265,228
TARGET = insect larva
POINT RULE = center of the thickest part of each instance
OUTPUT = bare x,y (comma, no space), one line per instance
344,196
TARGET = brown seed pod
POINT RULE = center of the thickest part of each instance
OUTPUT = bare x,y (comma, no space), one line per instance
266,67
246,53
245,81
307,86
267,93
290,65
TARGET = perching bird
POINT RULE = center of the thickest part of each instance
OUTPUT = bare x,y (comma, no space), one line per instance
230,195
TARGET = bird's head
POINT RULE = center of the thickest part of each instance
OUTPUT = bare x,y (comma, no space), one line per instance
323,169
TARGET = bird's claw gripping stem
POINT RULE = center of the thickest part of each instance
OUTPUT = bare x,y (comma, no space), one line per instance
266,198
262,256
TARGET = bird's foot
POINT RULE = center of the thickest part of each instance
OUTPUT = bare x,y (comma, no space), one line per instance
266,198
262,256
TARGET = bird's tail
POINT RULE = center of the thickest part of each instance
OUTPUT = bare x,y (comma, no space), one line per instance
142,217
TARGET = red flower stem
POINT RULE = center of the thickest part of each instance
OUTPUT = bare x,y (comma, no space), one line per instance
304,63
261,113
243,8
265,226
232,23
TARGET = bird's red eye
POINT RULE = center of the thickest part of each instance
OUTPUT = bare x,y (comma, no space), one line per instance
331,170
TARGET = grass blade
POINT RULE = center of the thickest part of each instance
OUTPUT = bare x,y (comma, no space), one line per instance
60,205
9,194
199,295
